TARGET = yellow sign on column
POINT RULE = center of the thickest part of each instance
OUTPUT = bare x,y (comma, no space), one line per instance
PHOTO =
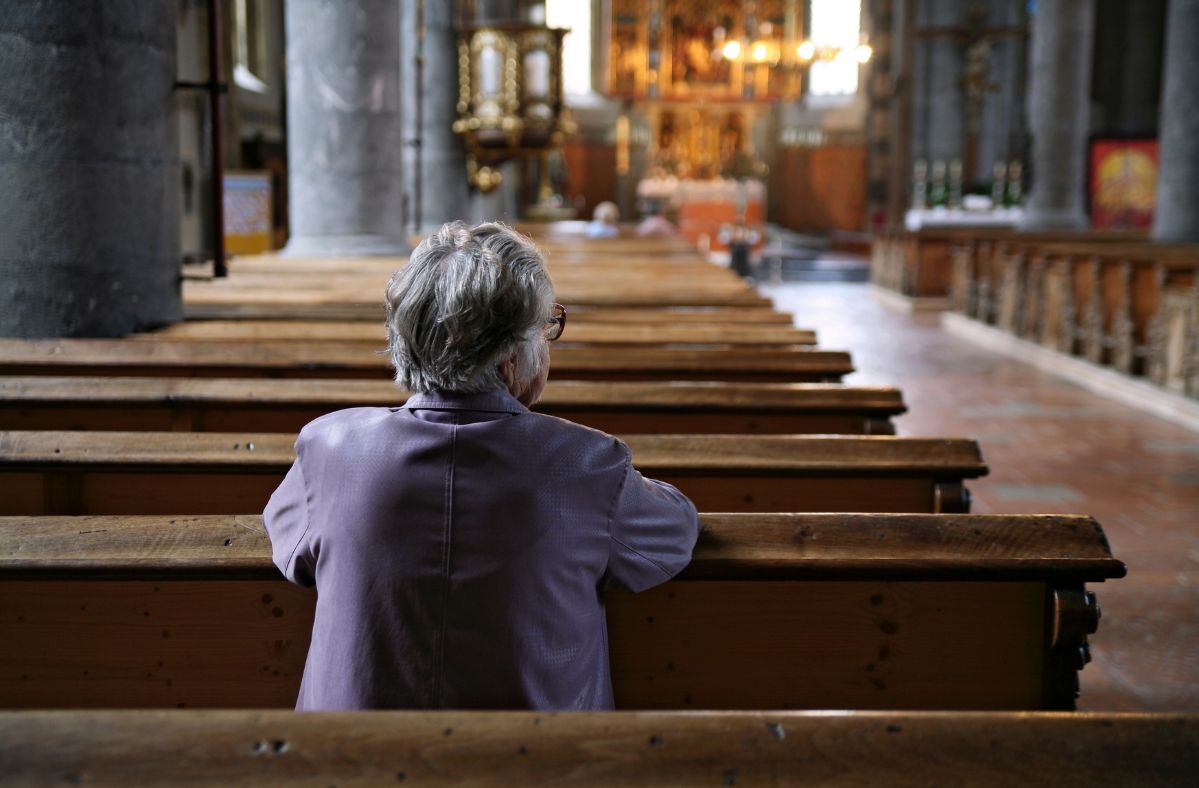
247,212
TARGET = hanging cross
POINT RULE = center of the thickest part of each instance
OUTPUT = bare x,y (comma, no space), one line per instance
974,40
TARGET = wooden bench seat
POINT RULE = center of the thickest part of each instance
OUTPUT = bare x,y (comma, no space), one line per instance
55,472
221,748
580,332
277,288
374,312
286,405
354,360
775,611
574,265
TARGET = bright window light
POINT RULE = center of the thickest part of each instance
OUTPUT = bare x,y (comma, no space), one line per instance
576,46
835,23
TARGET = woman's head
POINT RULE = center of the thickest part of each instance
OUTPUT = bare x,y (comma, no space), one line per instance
467,313
607,213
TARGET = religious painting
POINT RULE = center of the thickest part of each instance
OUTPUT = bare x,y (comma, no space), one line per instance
698,34
628,49
1123,183
681,50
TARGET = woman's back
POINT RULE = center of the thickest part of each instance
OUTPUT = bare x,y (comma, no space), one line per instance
459,545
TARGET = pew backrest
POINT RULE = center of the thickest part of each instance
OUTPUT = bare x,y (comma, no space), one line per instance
99,472
775,611
286,405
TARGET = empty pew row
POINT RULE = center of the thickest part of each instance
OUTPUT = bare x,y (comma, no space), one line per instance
271,288
580,332
1134,306
775,611
374,311
286,405
100,472
119,748
354,360
577,266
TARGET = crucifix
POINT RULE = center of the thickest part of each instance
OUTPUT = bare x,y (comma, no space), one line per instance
974,39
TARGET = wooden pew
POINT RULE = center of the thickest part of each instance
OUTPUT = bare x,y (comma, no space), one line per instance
280,288
354,360
775,611
580,332
623,315
574,265
286,405
221,748
56,472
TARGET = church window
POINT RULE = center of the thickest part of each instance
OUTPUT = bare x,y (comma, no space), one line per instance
836,30
576,46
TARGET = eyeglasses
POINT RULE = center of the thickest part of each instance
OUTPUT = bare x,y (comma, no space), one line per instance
555,324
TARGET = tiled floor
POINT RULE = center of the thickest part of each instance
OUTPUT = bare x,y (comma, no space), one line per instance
1053,448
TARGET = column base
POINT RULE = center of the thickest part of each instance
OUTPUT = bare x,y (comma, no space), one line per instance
345,246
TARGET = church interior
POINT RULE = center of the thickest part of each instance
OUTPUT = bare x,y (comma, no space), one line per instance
902,294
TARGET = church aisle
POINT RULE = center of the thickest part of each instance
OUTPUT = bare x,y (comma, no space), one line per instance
1052,448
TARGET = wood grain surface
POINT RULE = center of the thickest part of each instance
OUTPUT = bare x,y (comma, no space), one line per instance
374,312
624,748
351,359
580,331
726,454
731,546
287,404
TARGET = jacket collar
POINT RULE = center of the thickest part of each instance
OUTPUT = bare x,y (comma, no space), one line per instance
494,401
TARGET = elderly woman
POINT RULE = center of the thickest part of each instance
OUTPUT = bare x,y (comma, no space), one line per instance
460,544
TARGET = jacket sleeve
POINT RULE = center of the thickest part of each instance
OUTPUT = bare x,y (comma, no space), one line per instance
289,528
652,531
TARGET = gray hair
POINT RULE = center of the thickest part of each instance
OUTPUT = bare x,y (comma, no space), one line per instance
468,299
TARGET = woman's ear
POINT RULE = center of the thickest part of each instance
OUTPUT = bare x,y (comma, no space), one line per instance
508,373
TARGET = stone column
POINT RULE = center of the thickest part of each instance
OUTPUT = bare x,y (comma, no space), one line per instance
1058,111
89,176
444,191
344,131
1177,215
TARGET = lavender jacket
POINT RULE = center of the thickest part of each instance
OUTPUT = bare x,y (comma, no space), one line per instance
459,546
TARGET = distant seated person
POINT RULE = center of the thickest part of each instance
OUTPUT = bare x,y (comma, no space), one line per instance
655,224
603,221
460,544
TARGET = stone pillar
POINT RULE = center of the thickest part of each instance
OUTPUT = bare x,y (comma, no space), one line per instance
344,132
89,176
1176,218
444,191
1058,112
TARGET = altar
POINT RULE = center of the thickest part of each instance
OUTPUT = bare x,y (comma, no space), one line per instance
711,212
